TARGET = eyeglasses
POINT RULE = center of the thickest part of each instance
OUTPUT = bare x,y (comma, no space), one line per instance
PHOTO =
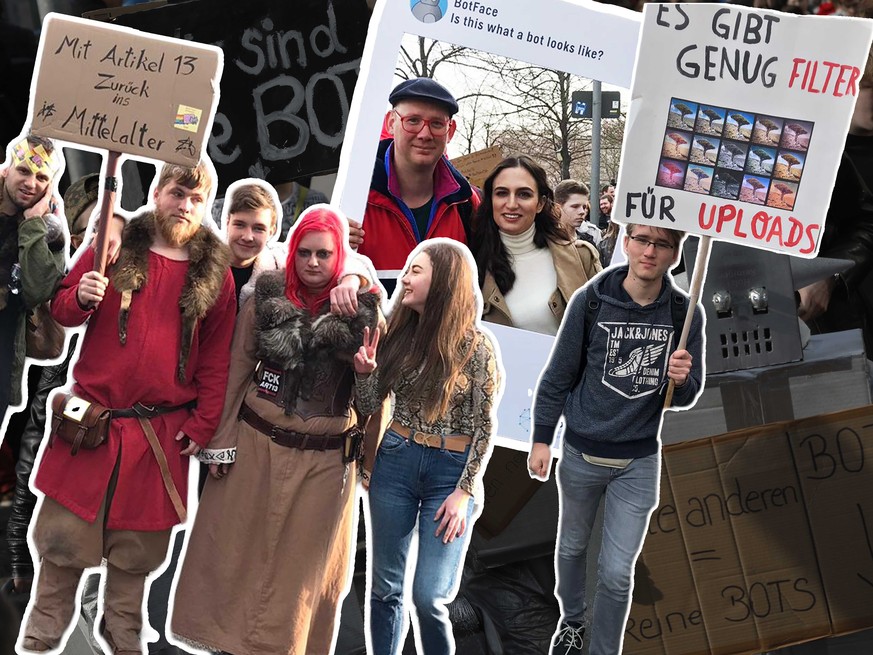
663,246
415,124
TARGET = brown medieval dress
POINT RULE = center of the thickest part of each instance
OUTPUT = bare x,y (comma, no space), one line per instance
268,558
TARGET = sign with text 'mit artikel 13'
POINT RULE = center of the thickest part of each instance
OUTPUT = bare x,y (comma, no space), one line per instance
737,122
118,89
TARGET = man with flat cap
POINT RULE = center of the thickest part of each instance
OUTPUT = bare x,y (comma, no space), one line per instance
415,193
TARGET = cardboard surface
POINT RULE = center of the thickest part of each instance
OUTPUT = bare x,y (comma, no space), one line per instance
774,525
117,89
477,165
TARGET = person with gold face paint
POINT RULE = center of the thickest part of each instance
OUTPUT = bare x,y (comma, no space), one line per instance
32,253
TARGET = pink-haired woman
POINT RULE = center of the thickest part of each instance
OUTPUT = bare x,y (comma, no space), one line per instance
268,557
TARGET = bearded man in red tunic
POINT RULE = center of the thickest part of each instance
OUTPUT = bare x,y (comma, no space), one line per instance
155,351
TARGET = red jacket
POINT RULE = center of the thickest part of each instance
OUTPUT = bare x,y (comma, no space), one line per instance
389,225
142,370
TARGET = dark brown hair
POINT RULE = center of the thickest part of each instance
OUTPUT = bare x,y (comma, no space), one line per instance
567,188
675,236
487,247
253,197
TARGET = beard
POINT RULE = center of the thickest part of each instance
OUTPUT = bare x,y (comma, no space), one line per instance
175,233
6,192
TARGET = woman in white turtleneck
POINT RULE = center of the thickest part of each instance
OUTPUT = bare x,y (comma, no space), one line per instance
529,264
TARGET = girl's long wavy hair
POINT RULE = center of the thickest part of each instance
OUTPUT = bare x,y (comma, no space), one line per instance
487,247
318,219
436,342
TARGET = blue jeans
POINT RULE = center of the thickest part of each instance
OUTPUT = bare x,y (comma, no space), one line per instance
630,495
409,483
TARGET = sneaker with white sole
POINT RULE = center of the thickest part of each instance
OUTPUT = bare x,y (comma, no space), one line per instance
568,640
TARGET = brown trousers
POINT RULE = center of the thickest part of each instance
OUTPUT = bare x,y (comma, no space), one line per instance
67,545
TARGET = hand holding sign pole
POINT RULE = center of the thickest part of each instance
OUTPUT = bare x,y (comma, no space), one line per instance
117,89
700,263
764,104
107,210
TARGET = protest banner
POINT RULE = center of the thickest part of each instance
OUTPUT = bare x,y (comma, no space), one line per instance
737,121
116,89
529,354
761,540
292,68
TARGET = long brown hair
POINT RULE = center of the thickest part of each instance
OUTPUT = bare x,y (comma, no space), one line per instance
491,254
433,342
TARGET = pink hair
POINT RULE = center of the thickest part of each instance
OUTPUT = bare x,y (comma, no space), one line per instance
317,220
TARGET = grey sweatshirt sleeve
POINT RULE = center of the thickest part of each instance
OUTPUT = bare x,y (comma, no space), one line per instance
685,395
558,377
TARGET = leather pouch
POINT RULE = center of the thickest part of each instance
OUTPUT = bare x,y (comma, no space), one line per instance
80,423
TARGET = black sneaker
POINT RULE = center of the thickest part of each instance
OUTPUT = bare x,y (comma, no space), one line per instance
568,640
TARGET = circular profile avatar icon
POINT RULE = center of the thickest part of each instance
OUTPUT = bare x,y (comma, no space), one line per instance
428,11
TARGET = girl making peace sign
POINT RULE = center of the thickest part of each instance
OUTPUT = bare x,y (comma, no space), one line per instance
443,373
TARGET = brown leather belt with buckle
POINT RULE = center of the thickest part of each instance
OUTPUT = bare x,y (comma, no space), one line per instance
457,443
289,438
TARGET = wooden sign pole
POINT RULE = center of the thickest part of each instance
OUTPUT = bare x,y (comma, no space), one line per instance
696,286
107,211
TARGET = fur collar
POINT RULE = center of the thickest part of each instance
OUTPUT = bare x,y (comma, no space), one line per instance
270,259
300,343
290,336
208,264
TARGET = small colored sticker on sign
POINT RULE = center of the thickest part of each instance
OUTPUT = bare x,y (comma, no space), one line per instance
188,118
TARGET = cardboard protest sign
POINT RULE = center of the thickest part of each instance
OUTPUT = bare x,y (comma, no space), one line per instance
123,91
477,165
737,122
291,70
588,39
761,539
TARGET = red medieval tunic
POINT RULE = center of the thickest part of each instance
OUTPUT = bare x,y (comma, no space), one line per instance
143,370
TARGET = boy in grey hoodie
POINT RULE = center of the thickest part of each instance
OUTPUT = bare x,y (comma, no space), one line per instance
612,416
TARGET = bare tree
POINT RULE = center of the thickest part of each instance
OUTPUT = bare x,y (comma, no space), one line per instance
521,107
422,57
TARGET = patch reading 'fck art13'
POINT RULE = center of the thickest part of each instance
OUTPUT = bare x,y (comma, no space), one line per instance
636,357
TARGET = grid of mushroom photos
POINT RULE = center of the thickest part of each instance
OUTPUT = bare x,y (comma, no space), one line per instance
733,153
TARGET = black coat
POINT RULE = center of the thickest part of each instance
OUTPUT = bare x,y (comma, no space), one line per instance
849,235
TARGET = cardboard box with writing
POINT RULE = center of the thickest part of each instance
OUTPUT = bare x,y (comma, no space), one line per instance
775,525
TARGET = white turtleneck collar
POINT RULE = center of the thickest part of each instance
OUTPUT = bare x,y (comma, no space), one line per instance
519,244
535,282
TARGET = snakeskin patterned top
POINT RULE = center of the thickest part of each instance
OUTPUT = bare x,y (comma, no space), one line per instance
470,410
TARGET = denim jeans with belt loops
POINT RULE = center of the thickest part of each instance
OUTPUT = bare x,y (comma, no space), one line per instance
409,483
629,496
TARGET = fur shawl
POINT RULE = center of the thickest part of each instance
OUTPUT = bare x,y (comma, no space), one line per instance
296,341
270,259
208,264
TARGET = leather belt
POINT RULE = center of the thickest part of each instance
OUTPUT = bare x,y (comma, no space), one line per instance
289,438
149,411
457,443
